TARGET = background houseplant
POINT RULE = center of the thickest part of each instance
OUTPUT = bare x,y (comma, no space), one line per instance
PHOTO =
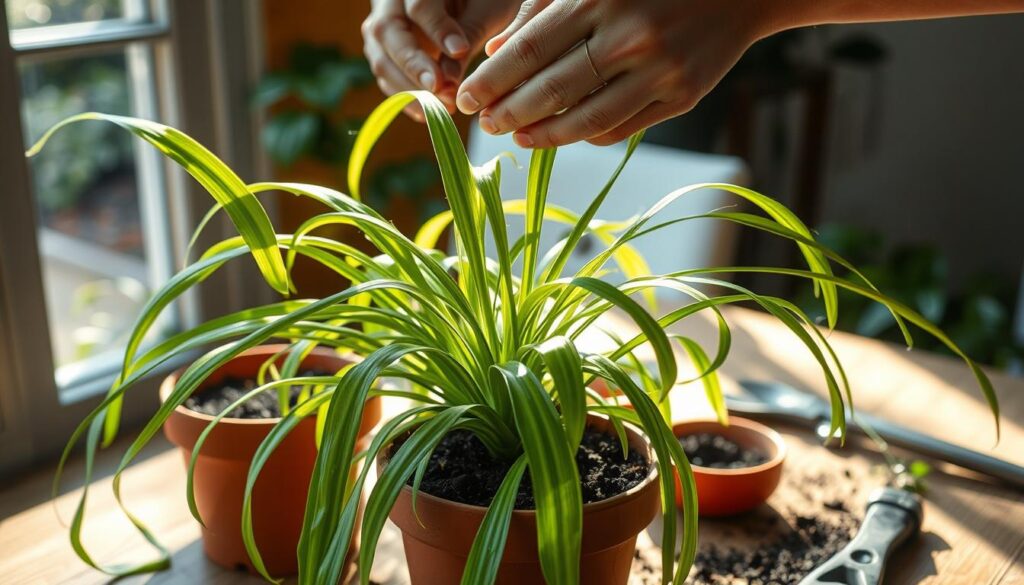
977,314
305,120
484,350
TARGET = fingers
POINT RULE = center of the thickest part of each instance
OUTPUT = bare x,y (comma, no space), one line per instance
389,28
478,21
401,47
596,115
561,85
538,43
645,118
527,11
390,79
432,17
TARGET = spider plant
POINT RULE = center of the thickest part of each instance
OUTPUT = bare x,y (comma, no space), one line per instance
483,346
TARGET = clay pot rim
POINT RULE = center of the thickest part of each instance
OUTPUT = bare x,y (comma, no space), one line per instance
652,476
755,427
171,380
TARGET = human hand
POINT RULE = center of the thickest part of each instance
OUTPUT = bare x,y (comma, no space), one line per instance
426,44
601,70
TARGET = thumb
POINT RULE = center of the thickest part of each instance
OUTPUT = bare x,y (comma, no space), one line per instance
528,10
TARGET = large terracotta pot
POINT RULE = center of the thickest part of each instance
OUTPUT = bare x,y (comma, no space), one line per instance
279,496
438,543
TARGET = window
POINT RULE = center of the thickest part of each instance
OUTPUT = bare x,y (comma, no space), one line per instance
98,202
93,224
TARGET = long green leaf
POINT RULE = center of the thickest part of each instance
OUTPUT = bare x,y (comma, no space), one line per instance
655,334
416,449
221,182
553,473
555,269
668,450
538,179
563,362
489,545
325,538
707,376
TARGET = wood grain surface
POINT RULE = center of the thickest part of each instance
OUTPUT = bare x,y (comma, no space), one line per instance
973,530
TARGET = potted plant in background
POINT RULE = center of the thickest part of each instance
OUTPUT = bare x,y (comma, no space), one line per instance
491,361
311,105
306,122
978,314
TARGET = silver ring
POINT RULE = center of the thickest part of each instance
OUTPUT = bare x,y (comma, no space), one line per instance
586,48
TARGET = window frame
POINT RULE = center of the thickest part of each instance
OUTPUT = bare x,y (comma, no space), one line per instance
212,38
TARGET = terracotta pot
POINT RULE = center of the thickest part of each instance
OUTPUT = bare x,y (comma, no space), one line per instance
437,545
723,492
279,496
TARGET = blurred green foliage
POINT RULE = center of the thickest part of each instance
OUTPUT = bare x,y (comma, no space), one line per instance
309,93
311,89
80,159
978,316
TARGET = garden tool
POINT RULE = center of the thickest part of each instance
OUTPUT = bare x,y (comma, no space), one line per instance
893,516
782,402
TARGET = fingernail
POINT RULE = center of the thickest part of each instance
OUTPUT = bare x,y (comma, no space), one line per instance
524,140
467,103
427,80
455,44
488,125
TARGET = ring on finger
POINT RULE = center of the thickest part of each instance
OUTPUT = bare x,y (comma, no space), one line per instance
590,60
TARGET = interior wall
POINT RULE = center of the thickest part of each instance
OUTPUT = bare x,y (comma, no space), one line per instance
949,162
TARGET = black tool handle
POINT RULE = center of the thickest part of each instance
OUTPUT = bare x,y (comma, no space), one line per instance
892,517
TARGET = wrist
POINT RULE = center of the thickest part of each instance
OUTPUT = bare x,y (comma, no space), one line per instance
775,16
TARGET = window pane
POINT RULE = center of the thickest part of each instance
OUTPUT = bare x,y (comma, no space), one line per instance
91,201
33,13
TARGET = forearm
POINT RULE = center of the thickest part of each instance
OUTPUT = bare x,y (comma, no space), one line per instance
786,14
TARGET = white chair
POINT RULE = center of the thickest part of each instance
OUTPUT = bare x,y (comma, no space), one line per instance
581,171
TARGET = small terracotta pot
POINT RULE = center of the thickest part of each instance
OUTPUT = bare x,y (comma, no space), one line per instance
723,492
437,545
279,496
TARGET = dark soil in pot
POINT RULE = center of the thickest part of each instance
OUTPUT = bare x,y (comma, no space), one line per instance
718,452
212,401
462,470
439,533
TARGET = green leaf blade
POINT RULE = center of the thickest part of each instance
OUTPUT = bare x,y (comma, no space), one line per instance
221,182
489,545
556,483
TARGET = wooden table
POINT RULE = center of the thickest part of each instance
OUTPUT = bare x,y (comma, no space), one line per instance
973,530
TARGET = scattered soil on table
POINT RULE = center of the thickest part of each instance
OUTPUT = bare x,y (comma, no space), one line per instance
808,542
718,452
462,470
769,546
213,400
